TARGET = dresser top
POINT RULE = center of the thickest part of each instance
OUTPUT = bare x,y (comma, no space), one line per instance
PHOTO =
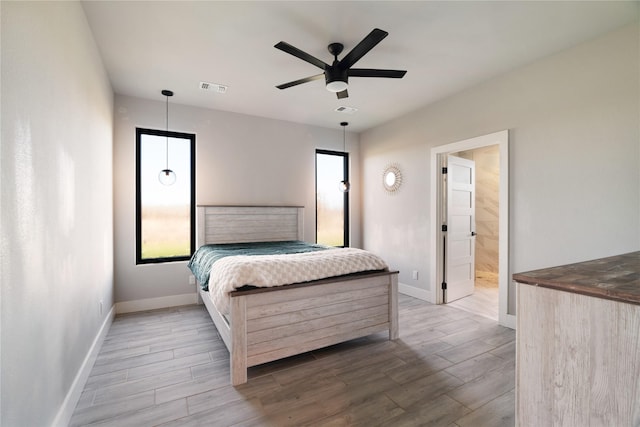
616,278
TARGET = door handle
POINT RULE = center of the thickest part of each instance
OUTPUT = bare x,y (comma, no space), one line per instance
473,233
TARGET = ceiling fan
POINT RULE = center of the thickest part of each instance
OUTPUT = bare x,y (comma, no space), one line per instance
337,74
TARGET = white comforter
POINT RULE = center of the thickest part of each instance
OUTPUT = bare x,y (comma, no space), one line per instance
233,272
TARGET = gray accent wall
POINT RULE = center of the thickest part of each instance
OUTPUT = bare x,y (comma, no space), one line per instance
57,206
574,144
240,159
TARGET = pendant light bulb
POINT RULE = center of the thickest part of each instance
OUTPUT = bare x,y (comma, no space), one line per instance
345,185
167,176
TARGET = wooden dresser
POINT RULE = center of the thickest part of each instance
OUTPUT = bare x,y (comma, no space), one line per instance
578,344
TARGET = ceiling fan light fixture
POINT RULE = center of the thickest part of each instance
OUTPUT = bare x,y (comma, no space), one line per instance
336,79
337,74
336,86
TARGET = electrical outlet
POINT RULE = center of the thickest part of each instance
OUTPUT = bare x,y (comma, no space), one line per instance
415,274
192,280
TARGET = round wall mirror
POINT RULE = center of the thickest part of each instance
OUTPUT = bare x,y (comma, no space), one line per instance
391,178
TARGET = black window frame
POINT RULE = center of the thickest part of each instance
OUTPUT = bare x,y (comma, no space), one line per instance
169,134
345,165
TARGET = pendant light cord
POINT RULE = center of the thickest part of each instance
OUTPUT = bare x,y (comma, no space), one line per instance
167,136
344,137
167,93
167,176
344,184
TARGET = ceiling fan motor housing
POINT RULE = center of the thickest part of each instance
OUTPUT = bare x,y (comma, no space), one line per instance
335,49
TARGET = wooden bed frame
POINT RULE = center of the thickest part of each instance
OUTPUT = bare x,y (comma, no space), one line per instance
267,324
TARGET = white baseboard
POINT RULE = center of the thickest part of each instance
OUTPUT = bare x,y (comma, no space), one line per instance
412,291
155,303
71,400
509,321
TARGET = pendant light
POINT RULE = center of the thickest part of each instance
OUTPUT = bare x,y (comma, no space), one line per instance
345,185
167,176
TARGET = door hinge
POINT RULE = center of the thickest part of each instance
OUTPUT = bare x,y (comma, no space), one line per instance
444,171
444,286
444,227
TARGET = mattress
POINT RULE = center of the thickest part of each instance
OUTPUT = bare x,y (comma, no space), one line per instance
203,259
220,269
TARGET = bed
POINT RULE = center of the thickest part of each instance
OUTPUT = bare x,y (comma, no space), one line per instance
267,324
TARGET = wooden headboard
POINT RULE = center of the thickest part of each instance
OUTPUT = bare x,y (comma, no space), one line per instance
237,224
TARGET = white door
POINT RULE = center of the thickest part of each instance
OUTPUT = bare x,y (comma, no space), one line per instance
460,235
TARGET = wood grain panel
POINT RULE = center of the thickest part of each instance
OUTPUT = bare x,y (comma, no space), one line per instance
254,325
313,335
237,224
239,340
335,317
394,328
302,327
349,334
615,368
571,359
304,303
578,360
532,364
218,319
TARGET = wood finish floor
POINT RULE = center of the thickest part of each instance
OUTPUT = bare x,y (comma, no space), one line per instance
485,298
169,367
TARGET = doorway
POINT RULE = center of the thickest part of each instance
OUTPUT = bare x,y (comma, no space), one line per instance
493,268
458,229
483,297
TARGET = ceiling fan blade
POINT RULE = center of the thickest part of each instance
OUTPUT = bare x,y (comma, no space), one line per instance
299,82
366,72
343,94
292,50
363,47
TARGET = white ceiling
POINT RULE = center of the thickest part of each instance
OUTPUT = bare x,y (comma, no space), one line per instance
446,47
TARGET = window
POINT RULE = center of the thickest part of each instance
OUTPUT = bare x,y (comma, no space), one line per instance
165,214
332,205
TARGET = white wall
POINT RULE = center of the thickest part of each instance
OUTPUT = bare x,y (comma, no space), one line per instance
240,160
574,160
57,232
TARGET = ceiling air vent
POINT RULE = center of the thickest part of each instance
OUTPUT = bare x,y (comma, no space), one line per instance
213,87
346,110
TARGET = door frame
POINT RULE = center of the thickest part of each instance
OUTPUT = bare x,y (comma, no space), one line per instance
501,139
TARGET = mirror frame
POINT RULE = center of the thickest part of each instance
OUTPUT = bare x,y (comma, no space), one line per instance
395,170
